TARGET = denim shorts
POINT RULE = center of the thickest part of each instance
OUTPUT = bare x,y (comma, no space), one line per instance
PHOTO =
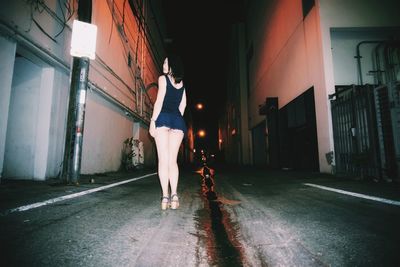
172,121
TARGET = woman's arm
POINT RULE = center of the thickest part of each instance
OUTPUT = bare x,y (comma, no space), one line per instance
162,89
182,105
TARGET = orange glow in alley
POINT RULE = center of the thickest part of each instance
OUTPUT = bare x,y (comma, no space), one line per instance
202,133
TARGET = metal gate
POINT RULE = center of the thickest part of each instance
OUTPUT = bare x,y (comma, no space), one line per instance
387,102
366,129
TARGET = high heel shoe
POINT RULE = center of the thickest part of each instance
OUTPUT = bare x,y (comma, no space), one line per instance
164,203
174,202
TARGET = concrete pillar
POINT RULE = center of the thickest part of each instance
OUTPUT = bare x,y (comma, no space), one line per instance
43,124
136,130
7,55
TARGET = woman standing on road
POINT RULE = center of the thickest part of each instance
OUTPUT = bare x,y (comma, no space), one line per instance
168,127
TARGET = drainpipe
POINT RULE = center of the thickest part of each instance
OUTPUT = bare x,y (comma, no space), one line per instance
76,109
378,70
358,57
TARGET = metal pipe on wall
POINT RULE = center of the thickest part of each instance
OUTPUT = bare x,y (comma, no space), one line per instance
358,57
378,70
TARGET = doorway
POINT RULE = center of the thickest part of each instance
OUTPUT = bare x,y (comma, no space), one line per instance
259,144
298,133
22,118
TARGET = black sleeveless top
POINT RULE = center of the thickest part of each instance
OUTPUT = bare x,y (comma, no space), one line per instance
172,99
170,116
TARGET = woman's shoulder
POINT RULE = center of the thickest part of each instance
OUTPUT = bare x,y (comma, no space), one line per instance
162,78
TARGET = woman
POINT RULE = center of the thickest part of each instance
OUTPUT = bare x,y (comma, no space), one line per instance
168,127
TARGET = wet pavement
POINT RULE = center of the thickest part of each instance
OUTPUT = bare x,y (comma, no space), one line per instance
221,233
227,217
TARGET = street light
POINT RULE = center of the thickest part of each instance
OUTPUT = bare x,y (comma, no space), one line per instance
199,106
83,48
201,133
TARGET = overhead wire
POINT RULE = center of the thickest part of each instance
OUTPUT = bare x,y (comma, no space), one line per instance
142,25
40,6
65,18
112,21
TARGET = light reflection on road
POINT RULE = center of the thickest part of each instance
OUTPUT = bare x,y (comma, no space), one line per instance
223,247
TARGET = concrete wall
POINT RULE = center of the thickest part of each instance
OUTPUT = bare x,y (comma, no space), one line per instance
148,145
360,16
59,108
43,123
344,42
287,61
30,124
245,149
18,14
20,155
106,124
106,127
292,53
7,55
36,119
236,147
343,24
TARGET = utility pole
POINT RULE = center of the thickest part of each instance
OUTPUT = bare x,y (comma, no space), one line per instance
76,108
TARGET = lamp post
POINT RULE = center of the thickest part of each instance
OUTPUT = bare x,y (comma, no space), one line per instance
83,47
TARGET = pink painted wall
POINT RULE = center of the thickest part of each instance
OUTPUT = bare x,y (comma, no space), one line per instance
289,62
291,54
106,125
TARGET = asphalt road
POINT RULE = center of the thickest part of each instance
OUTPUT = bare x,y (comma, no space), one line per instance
234,217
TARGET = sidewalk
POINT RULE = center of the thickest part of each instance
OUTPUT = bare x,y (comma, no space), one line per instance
382,189
16,193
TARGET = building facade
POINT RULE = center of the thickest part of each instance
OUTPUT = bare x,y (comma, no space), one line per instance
296,53
35,73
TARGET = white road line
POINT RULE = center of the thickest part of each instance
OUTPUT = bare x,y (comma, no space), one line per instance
383,200
86,192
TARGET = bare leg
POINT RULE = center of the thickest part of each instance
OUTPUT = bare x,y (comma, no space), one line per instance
174,142
161,138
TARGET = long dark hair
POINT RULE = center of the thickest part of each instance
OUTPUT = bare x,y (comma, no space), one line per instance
176,67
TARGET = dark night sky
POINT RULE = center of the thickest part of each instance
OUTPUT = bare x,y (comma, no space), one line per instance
200,30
